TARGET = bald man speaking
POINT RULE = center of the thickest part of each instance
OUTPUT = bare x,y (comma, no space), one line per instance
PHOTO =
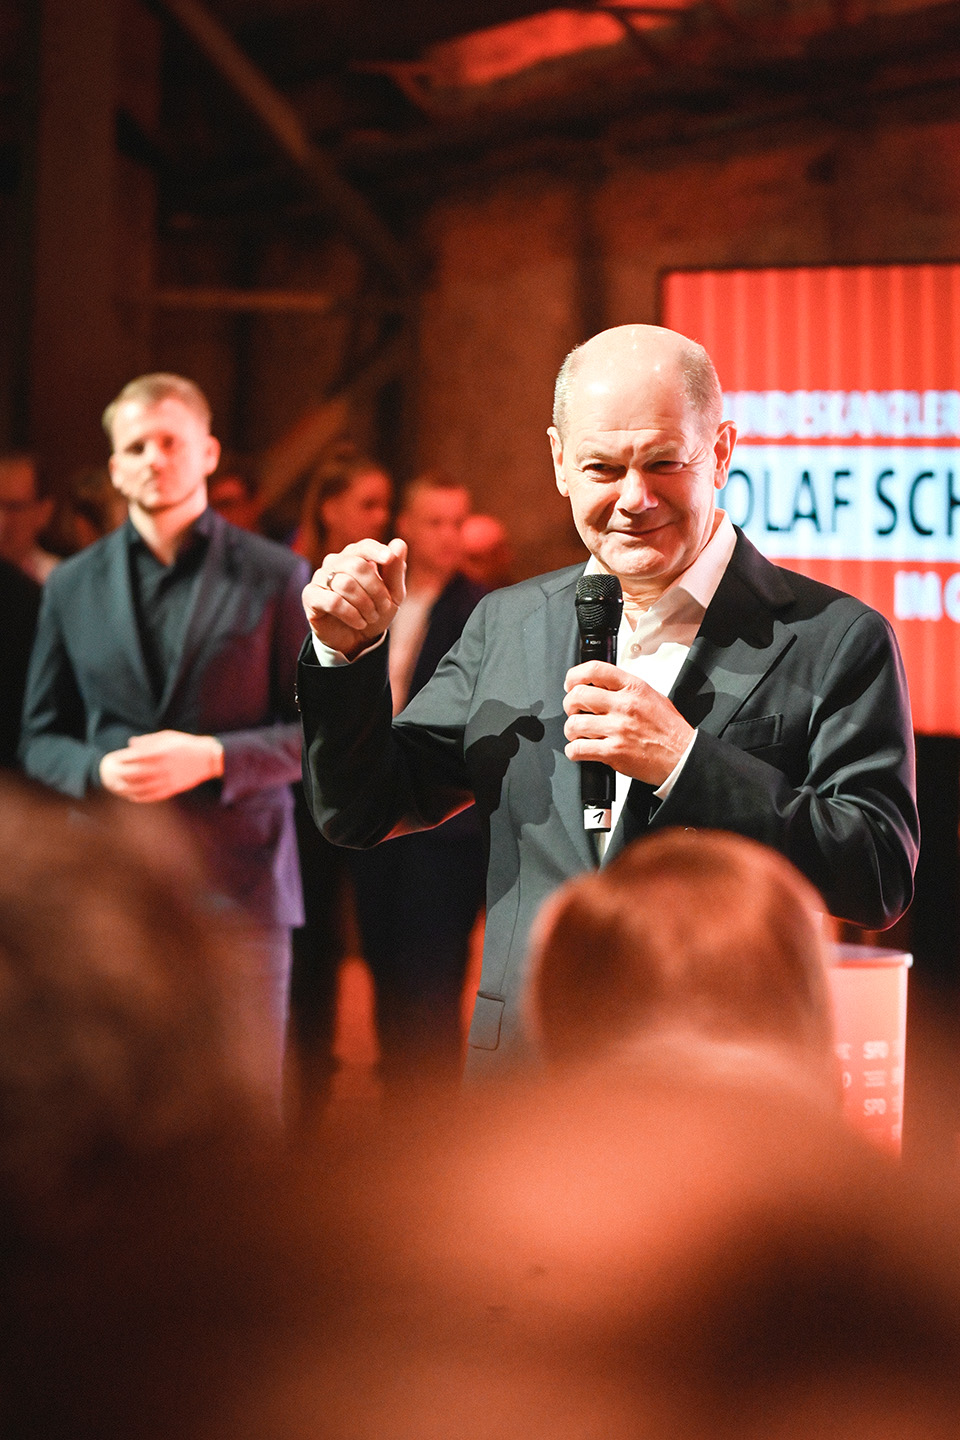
744,698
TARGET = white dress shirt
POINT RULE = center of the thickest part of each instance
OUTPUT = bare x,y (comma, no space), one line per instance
408,630
658,641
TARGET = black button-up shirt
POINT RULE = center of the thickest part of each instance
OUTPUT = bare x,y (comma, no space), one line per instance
163,597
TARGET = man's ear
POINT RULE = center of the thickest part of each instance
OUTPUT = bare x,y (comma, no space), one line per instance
556,450
212,456
723,451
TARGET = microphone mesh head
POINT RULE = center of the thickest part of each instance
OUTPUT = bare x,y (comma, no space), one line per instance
599,604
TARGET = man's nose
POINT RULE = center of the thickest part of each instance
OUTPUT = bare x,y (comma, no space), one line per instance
635,493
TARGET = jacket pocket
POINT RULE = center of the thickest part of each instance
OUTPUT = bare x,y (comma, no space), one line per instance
758,734
485,1026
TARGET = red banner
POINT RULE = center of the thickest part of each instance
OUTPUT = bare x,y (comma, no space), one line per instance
844,383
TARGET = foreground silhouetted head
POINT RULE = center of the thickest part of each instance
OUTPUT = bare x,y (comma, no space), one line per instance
687,931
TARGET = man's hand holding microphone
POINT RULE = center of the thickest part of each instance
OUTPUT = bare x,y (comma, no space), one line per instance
614,719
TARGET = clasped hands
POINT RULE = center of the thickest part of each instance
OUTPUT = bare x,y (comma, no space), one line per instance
619,719
159,766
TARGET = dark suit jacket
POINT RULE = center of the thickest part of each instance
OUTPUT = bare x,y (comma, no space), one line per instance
804,743
453,608
19,604
88,691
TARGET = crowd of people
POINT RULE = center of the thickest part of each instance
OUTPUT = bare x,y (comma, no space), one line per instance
670,1231
160,685
651,1219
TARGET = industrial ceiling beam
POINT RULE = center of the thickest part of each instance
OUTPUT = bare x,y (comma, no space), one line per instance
781,66
275,113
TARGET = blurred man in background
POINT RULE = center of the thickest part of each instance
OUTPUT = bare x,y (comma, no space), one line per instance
234,496
24,513
164,662
487,552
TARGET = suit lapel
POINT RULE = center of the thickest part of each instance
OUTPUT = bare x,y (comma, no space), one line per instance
550,643
739,642
204,616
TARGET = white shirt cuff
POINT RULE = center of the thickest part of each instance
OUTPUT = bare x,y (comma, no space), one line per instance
663,790
330,658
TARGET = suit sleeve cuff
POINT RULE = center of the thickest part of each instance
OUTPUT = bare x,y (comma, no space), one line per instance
329,659
662,791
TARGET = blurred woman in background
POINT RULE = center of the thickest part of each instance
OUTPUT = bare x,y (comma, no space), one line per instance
349,498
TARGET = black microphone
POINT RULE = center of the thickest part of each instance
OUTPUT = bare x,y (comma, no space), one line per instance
599,608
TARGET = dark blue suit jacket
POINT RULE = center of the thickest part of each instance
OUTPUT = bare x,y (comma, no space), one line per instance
88,691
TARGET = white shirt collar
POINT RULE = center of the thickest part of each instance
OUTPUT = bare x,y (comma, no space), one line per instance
700,580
